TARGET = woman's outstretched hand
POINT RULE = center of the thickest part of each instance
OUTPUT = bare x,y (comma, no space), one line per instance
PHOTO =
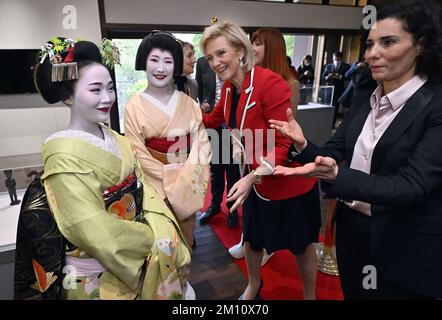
324,168
290,128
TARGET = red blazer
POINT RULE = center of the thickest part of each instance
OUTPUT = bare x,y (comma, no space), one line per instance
265,95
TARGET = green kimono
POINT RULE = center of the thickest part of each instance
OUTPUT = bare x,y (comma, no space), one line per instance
147,260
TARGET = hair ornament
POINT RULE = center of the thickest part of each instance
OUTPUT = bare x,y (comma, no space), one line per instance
62,69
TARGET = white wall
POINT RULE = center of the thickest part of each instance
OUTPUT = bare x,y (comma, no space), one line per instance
27,24
26,119
245,13
23,131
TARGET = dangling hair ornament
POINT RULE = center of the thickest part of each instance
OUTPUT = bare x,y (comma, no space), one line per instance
110,53
62,70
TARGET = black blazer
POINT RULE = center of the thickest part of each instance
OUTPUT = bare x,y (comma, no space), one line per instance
206,80
404,187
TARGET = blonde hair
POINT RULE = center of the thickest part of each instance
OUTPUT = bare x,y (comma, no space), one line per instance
237,38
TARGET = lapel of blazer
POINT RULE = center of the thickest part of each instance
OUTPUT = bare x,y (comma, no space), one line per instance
356,124
245,100
227,103
417,102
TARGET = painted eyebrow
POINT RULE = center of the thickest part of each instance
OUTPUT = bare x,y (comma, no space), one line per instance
155,56
100,83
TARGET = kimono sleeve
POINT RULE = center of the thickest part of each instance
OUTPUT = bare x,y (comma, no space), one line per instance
120,246
133,132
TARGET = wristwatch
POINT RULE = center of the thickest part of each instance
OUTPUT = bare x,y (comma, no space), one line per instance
258,178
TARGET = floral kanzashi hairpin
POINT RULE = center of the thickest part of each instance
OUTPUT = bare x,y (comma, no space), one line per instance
110,53
62,69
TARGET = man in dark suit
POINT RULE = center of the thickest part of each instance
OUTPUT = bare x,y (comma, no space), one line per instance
360,80
334,75
209,90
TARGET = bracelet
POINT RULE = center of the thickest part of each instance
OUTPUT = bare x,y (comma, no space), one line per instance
258,178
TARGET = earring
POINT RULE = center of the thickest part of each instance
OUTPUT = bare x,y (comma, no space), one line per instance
241,63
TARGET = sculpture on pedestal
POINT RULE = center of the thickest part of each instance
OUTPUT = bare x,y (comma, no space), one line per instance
10,184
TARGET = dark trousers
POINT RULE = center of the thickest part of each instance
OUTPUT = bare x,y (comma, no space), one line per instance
353,254
220,171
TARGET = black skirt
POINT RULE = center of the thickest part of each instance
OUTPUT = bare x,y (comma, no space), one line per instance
289,224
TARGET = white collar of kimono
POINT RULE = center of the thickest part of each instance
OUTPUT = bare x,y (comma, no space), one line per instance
108,143
168,109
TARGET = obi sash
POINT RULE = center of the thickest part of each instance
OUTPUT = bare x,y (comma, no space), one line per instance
125,200
159,148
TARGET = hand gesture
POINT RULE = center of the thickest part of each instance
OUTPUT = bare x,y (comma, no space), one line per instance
290,129
240,191
205,106
324,168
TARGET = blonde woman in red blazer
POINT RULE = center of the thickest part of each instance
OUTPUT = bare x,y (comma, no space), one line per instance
278,213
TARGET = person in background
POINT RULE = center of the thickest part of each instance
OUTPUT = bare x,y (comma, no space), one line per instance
360,80
389,186
270,53
166,128
190,86
306,72
292,68
278,213
334,75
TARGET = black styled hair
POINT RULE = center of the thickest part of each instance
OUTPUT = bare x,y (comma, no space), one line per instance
167,42
423,19
338,54
85,53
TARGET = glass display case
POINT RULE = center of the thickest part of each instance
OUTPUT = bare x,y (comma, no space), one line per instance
312,97
315,113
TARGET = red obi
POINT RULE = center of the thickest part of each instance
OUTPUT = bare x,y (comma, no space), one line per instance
160,147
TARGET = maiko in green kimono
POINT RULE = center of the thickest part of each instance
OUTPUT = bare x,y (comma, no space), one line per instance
110,250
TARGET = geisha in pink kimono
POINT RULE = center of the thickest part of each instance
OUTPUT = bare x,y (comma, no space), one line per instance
165,125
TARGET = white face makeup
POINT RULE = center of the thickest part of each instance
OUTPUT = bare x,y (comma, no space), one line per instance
159,68
93,96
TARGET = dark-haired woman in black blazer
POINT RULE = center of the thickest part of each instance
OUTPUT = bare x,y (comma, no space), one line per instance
389,221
